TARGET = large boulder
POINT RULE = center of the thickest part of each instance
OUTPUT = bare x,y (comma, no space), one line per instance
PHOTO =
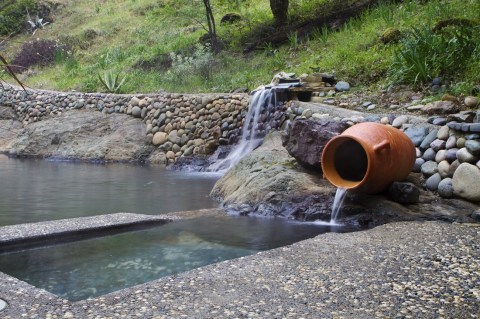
306,139
466,182
10,127
84,135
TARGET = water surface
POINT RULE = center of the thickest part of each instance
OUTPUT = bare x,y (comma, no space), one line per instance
93,267
38,190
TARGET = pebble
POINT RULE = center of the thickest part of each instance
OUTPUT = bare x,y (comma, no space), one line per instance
445,188
451,142
429,168
432,136
461,142
471,101
418,165
399,121
429,155
440,156
464,156
438,145
433,181
473,147
444,169
443,133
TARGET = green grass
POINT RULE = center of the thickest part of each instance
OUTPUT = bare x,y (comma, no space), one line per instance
118,36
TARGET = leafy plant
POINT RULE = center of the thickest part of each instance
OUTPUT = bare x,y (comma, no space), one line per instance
424,54
199,63
112,83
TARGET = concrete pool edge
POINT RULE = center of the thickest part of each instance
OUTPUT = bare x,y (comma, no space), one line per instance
278,280
29,235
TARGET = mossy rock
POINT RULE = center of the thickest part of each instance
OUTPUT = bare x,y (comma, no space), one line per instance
230,18
454,22
391,35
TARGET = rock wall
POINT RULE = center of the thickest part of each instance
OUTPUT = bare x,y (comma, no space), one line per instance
177,124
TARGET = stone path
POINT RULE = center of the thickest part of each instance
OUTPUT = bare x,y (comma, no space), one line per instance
400,270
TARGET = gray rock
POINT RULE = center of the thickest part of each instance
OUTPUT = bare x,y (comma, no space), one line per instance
417,134
418,165
466,182
159,138
429,168
433,181
85,136
404,193
472,136
439,121
342,86
445,188
443,132
444,169
453,167
464,156
441,107
440,156
438,145
305,140
471,101
399,121
432,136
136,112
451,142
429,155
473,147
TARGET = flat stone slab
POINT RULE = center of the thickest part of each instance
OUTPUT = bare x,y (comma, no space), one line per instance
407,269
34,232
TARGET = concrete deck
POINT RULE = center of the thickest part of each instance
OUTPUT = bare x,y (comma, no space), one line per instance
400,270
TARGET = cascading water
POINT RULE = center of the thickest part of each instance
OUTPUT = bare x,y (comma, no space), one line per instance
252,136
337,204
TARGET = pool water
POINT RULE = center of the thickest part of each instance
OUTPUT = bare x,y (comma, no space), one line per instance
39,190
94,267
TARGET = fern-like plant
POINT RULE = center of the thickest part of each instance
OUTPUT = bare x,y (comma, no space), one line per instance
112,83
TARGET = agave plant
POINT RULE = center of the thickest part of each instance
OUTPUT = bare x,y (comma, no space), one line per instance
8,69
111,82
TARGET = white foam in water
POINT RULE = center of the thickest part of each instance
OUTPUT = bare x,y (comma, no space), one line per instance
338,203
248,141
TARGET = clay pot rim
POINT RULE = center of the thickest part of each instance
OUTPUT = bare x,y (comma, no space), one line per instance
333,176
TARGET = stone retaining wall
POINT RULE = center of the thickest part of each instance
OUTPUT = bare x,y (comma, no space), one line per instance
179,124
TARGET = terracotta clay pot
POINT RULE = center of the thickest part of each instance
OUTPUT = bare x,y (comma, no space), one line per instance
368,157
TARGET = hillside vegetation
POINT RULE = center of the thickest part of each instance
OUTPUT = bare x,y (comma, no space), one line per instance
155,45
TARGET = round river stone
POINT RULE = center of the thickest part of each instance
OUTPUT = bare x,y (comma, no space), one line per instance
3,304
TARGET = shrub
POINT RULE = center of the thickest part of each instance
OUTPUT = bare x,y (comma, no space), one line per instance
38,52
13,16
424,54
199,63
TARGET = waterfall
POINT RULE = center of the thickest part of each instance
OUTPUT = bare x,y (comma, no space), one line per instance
337,204
252,136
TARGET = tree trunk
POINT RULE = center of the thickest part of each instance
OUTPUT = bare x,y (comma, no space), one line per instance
280,11
212,31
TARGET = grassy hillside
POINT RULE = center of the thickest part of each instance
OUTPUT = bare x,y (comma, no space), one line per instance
154,44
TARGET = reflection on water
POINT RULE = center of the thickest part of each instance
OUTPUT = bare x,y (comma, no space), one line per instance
94,267
38,190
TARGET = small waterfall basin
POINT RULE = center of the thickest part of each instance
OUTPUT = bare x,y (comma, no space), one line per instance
93,267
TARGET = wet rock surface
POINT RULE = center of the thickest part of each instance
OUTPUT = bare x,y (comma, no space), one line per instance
306,139
269,182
